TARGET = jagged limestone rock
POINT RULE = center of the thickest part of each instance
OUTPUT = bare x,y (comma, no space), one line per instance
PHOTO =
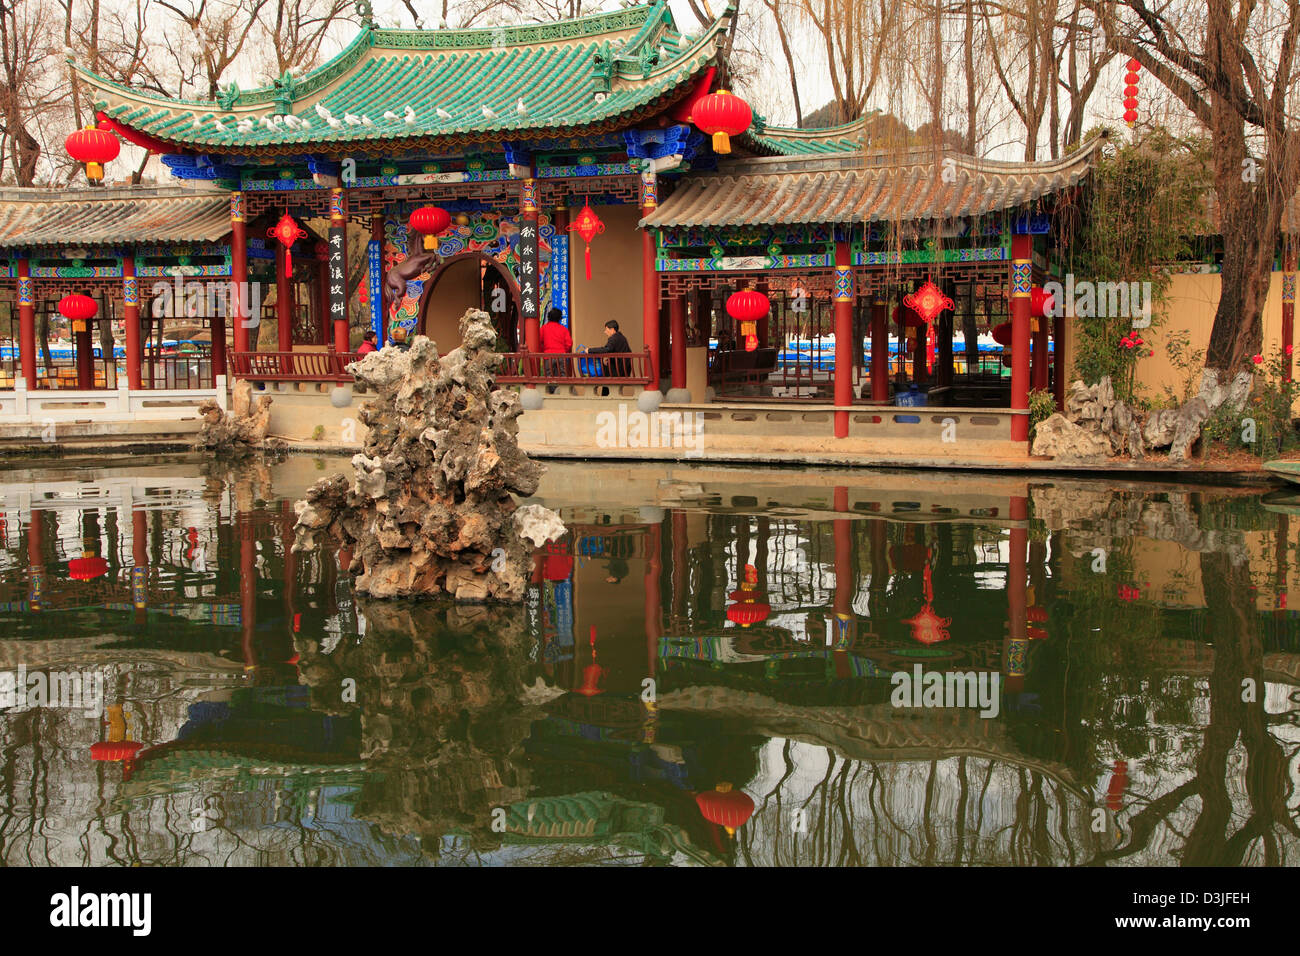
430,510
1058,437
245,424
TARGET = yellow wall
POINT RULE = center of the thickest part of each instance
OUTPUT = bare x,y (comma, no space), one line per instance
1188,316
614,291
458,288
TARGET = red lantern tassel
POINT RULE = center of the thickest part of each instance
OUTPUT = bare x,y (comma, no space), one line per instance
587,257
929,353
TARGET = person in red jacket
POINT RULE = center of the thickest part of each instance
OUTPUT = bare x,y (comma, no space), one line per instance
556,340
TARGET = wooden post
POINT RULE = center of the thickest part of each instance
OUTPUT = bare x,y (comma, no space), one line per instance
879,349
283,300
1058,359
247,588
26,323
1021,280
843,299
131,319
239,273
677,330
1288,304
83,343
649,280
845,583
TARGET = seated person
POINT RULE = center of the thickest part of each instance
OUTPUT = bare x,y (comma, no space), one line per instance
615,344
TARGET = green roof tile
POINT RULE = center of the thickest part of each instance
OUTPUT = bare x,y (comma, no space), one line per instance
558,70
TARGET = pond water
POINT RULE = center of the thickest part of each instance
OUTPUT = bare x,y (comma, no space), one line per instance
716,666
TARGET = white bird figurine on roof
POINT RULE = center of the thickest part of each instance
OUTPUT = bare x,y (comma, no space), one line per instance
488,112
267,123
245,125
409,114
352,119
442,113
334,123
390,116
322,112
366,120
221,127
521,108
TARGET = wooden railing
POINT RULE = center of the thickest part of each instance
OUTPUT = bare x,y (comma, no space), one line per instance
182,370
292,366
574,368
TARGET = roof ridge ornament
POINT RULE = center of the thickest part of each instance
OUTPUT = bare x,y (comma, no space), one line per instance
365,13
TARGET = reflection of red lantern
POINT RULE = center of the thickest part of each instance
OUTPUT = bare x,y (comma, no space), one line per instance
592,673
87,567
1002,334
430,221
730,809
93,146
1118,784
588,225
722,116
748,612
1036,634
1037,614
114,750
747,307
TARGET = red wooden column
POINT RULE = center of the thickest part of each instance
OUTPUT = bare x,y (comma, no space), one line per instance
1017,640
650,281
339,221
879,349
843,299
131,319
1021,253
677,332
26,323
322,297
140,563
377,235
239,273
283,300
1288,303
681,566
1038,375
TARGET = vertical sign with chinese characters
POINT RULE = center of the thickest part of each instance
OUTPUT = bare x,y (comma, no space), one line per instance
338,287
530,297
558,273
375,254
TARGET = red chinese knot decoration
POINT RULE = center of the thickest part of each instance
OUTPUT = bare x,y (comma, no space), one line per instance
430,221
589,226
747,307
287,232
94,146
927,302
722,115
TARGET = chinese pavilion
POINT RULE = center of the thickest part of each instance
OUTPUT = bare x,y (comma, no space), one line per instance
524,135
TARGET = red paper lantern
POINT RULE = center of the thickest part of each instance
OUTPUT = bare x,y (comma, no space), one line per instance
730,809
1002,334
1130,117
1130,102
430,221
1040,302
78,309
87,567
93,146
1134,65
927,302
1130,92
747,307
589,226
722,115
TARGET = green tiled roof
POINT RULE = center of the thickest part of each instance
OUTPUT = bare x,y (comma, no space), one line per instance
787,141
434,86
